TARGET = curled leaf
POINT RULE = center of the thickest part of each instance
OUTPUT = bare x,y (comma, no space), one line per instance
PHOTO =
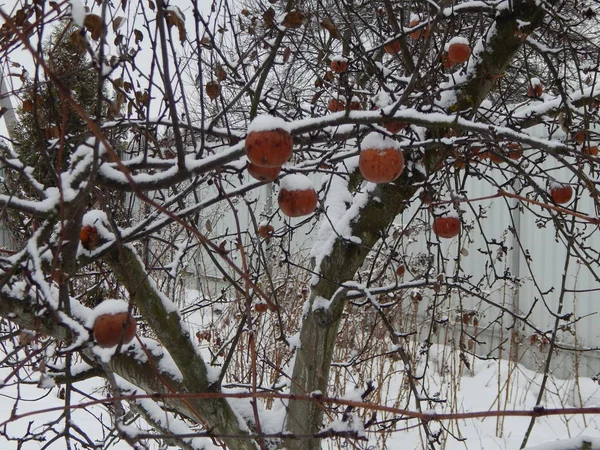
269,18
139,37
330,26
174,17
28,105
286,54
220,72
293,19
116,24
93,22
78,41
213,89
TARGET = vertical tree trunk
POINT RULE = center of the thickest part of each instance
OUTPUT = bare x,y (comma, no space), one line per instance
320,326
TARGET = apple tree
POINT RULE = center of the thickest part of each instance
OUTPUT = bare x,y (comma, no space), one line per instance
289,200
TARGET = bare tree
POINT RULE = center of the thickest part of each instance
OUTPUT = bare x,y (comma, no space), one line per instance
406,122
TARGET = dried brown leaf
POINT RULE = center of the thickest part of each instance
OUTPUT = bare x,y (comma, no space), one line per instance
78,41
330,26
293,19
139,37
213,89
269,18
28,105
316,97
93,22
116,24
286,54
206,42
174,18
220,72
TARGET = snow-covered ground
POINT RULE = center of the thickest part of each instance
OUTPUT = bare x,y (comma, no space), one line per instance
489,385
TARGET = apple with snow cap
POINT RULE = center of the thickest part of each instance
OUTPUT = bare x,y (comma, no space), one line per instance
560,193
269,142
339,64
297,196
446,225
458,50
535,88
422,33
112,323
381,159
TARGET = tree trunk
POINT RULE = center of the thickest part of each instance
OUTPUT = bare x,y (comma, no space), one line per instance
320,326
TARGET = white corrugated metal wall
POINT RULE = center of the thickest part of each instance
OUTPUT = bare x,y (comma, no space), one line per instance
539,265
540,275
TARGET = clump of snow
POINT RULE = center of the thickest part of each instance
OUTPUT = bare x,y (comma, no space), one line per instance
354,395
379,142
339,58
342,209
296,182
555,185
446,213
320,303
294,341
305,308
415,18
353,424
382,99
108,306
177,11
166,364
266,122
163,418
213,373
46,382
535,82
77,12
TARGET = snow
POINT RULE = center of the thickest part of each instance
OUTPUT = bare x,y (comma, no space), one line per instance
488,386
77,12
108,306
354,395
456,40
553,184
379,142
570,444
341,209
177,11
446,213
294,341
354,423
266,122
320,303
296,182
339,58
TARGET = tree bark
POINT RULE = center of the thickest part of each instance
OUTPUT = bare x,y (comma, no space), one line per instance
320,326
